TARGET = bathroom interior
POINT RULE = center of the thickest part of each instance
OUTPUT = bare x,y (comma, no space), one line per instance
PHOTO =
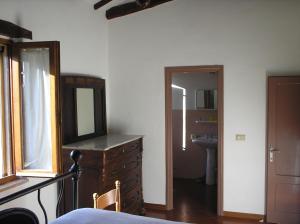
195,141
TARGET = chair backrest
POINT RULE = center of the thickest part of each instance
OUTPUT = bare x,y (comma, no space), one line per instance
18,215
109,198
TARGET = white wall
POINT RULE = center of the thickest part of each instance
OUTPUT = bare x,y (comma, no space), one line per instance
250,38
192,83
81,30
82,33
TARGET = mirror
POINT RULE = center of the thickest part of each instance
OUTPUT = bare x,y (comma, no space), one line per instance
83,107
85,111
206,99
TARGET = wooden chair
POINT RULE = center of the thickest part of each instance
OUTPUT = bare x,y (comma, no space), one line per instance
109,198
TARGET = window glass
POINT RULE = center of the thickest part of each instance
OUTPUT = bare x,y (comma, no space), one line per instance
5,142
36,109
2,147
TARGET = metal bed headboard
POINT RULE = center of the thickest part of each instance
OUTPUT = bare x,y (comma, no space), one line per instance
74,173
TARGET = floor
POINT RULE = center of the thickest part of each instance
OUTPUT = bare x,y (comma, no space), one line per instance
195,202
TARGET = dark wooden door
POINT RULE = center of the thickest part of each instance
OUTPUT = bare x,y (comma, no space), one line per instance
283,170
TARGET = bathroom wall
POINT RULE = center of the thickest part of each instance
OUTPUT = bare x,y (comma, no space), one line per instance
192,82
191,163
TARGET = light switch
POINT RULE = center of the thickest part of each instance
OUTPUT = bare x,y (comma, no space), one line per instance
240,137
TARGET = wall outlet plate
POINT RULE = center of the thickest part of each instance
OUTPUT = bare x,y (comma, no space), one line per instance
240,137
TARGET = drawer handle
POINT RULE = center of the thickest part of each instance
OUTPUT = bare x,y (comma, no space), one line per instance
124,165
123,150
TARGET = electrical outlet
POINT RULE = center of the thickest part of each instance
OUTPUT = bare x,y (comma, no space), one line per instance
240,137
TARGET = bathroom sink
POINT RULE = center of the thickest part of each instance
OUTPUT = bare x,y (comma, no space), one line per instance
207,141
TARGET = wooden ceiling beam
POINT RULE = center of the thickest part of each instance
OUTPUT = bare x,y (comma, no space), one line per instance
101,3
13,31
131,7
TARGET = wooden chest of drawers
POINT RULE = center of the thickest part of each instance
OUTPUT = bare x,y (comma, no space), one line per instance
100,170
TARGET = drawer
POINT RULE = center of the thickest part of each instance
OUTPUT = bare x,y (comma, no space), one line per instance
126,185
134,146
113,154
121,176
133,208
130,184
126,150
128,200
132,201
135,192
91,159
119,167
120,162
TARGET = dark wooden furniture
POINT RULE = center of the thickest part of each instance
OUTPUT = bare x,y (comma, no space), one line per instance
69,84
105,163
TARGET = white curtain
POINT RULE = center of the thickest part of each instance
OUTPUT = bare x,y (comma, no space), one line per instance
5,142
7,112
36,109
1,118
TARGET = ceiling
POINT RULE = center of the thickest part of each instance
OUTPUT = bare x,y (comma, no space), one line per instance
119,8
109,5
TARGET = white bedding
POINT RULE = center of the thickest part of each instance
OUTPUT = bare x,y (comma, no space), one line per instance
98,216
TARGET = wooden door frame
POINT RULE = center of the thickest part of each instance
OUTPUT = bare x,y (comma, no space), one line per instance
169,72
269,76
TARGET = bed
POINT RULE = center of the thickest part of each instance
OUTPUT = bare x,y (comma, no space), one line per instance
99,216
77,216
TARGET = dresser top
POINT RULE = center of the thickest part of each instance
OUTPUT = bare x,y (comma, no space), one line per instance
102,143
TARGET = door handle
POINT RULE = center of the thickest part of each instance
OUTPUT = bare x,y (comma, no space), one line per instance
272,150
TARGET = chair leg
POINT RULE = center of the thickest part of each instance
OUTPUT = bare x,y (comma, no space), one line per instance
118,196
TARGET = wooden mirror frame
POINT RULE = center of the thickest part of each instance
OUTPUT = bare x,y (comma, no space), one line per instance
69,83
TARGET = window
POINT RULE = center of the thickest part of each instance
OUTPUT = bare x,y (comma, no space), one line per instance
29,109
36,109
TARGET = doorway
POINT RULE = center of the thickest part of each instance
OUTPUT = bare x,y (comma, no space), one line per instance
212,101
283,150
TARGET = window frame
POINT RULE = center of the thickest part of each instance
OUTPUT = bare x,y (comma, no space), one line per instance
12,51
6,43
17,113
